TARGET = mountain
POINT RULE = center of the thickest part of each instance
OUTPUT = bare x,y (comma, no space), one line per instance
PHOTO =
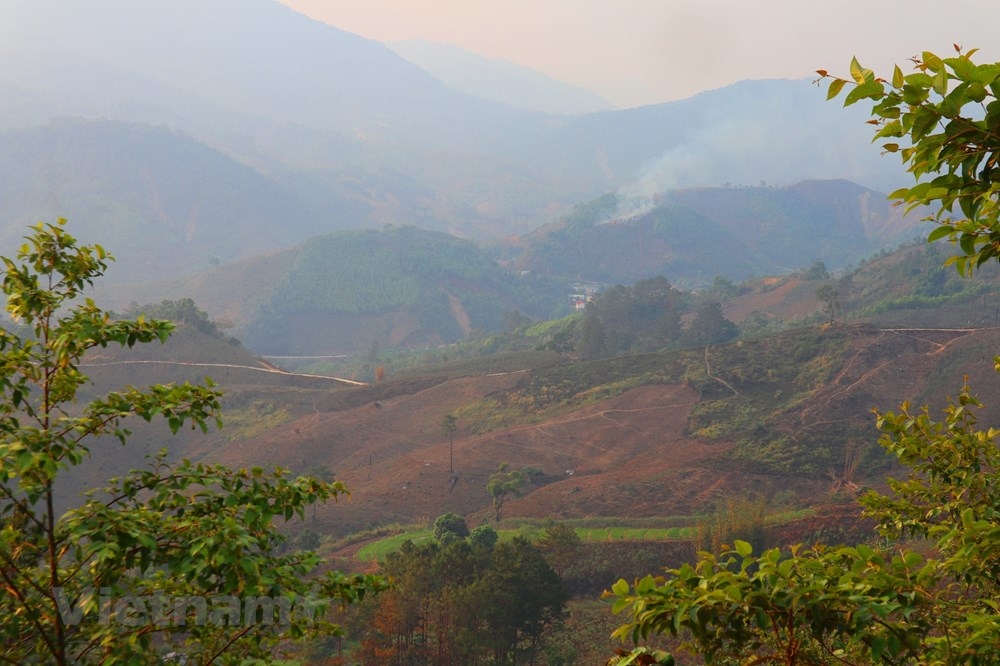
162,202
253,55
406,287
400,287
285,94
650,435
692,235
773,131
499,80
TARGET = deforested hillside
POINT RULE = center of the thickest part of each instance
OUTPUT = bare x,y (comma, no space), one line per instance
656,434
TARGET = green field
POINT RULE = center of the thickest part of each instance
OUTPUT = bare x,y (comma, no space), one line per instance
379,549
597,531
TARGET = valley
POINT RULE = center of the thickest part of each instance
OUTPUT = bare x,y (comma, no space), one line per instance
473,351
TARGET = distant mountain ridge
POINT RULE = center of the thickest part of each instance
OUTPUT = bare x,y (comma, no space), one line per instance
284,93
499,80
163,202
255,55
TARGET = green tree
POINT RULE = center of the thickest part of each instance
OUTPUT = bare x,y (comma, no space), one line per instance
830,298
504,484
450,526
560,544
733,518
138,568
623,319
483,536
710,326
817,271
462,601
723,288
948,113
858,605
861,605
182,312
593,338
522,596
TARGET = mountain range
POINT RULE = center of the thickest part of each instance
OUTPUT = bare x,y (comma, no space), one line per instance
210,143
358,137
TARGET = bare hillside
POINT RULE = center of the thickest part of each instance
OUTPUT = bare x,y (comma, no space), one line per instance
651,450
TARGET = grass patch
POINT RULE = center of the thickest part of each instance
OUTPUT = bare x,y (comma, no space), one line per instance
590,530
256,419
377,550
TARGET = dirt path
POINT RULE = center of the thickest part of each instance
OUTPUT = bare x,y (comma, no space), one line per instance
270,369
708,371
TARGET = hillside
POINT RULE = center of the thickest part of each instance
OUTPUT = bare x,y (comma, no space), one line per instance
404,287
399,287
908,287
651,435
168,203
692,235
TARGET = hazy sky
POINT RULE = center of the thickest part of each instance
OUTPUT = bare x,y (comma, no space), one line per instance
647,51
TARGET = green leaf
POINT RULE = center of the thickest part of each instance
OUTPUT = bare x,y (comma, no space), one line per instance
939,232
897,77
877,646
836,85
184,530
645,585
941,82
871,89
858,73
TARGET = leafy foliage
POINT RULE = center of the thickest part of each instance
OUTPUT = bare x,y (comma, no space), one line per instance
372,271
949,113
464,601
643,317
109,581
450,525
183,312
710,326
507,483
363,284
828,296
734,518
